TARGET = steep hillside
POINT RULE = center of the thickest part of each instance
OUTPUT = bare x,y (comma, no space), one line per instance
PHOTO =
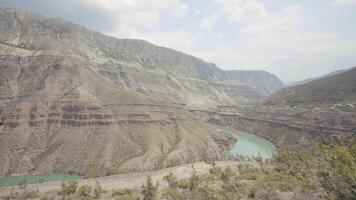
264,82
316,78
64,109
330,89
324,108
132,64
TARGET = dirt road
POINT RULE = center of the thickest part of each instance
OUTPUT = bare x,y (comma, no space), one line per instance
127,181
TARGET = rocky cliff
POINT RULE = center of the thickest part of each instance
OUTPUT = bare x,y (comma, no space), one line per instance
76,101
134,64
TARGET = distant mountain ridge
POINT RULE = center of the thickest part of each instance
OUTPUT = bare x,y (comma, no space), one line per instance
333,88
316,78
135,64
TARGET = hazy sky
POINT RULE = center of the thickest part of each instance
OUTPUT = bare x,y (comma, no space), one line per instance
295,39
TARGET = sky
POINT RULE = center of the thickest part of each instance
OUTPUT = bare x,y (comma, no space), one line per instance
294,39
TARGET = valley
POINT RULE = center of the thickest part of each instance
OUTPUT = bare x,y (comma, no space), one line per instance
91,116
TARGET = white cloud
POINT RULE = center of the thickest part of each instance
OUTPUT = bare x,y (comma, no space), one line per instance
277,42
343,2
239,11
140,13
209,21
197,11
181,10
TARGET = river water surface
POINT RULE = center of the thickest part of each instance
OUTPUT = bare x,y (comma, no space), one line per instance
248,145
30,179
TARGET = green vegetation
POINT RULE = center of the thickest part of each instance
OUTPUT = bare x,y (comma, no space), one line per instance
85,190
68,188
24,194
124,194
98,190
149,190
323,171
70,191
23,184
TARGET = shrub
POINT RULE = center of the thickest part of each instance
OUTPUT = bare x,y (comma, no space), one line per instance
41,180
226,175
171,180
193,182
69,188
149,191
267,194
215,170
29,194
98,189
172,194
23,184
122,192
85,190
338,170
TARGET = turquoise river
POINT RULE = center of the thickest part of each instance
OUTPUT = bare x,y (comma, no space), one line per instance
248,145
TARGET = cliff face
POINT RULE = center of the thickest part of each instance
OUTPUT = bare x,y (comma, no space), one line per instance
60,115
264,82
136,65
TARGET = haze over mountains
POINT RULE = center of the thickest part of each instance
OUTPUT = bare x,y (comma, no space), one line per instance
66,89
70,96
301,114
134,64
332,88
78,102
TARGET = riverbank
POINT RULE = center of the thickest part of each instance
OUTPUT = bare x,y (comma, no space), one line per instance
127,181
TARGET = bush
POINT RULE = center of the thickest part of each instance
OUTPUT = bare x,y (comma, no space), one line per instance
122,192
172,194
85,190
226,175
171,180
267,194
338,170
149,191
23,184
193,182
25,194
215,170
98,189
69,188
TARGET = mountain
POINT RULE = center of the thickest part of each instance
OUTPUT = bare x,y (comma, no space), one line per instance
136,65
264,82
337,87
77,101
302,114
316,78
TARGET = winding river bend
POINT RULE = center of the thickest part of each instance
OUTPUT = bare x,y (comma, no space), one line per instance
248,145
